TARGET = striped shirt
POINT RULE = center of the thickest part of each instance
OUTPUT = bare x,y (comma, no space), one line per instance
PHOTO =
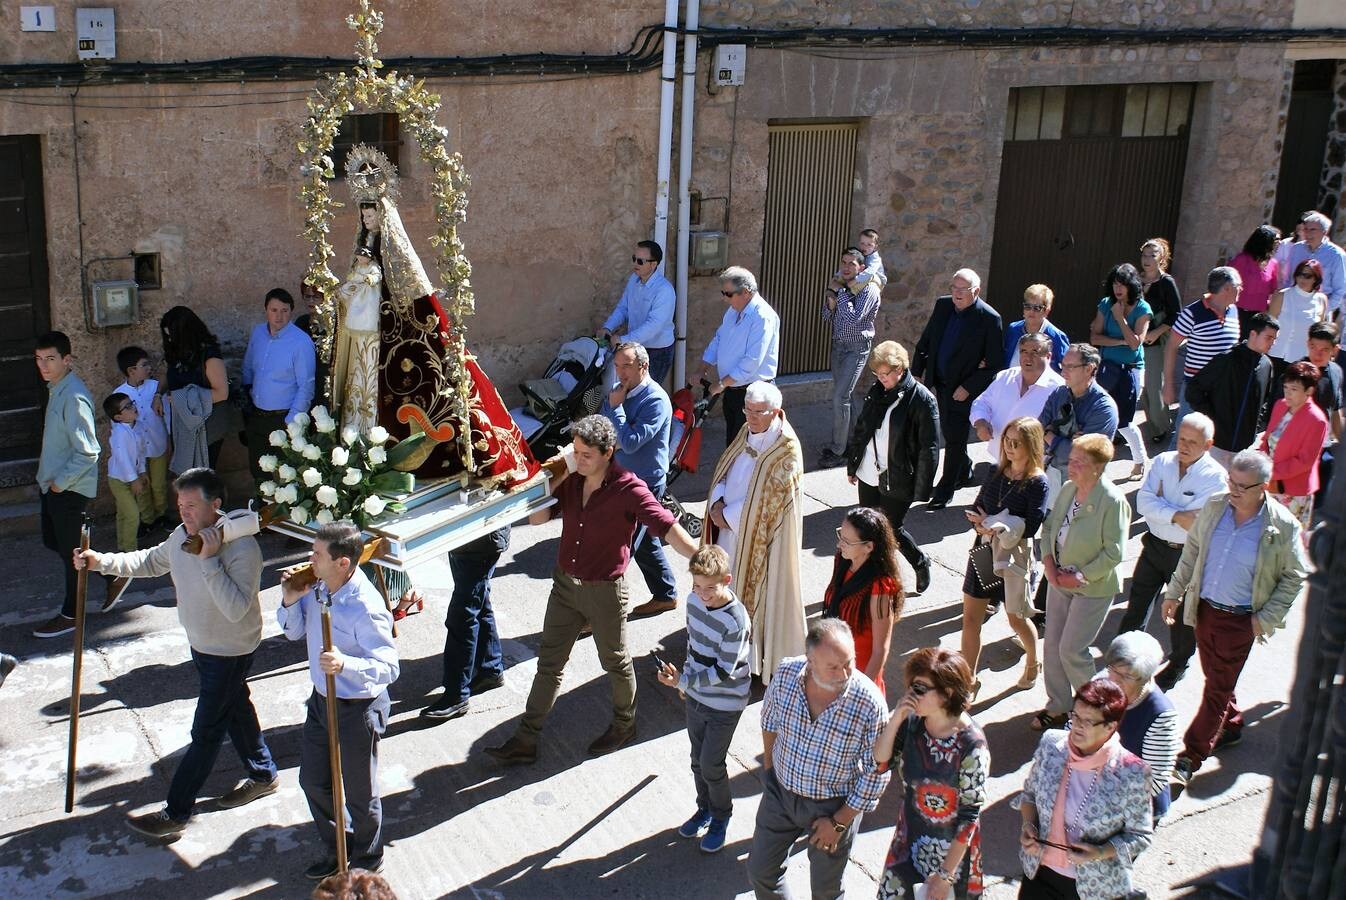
1207,334
834,755
719,646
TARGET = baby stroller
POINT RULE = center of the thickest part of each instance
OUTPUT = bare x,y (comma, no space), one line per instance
571,389
684,443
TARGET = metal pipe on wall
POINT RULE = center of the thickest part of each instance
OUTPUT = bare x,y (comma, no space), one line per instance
667,79
684,190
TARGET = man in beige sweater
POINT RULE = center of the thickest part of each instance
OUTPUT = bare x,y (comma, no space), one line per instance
218,607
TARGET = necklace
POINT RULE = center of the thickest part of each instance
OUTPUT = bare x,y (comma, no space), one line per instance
1078,825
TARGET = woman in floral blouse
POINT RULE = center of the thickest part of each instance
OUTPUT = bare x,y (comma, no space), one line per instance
945,764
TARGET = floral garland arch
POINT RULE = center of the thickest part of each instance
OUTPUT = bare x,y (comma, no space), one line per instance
365,90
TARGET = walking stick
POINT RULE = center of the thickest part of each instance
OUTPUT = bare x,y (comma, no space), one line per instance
81,592
333,742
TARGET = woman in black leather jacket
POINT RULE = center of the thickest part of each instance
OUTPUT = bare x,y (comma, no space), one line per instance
894,449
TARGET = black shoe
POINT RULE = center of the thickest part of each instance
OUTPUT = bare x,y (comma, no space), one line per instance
615,738
922,577
368,863
321,869
445,708
145,529
514,752
938,503
830,460
1169,677
486,681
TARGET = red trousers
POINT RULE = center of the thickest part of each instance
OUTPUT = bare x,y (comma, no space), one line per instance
1223,641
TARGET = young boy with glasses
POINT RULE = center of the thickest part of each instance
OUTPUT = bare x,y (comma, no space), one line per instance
126,477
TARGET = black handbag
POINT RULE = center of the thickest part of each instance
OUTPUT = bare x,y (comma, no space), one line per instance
983,568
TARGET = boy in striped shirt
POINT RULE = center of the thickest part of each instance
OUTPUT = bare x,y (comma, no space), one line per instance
715,683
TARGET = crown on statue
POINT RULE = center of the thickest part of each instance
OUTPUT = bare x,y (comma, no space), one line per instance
370,175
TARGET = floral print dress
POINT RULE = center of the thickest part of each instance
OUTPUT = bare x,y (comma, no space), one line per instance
945,781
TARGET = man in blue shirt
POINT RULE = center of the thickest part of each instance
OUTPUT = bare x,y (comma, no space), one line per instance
646,307
1078,407
1315,227
642,415
745,346
364,661
278,373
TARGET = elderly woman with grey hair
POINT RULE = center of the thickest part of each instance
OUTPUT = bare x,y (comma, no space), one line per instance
1149,726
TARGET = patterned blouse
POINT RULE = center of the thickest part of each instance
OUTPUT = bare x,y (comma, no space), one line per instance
945,781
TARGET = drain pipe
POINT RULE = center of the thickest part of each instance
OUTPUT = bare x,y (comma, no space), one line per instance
684,190
667,80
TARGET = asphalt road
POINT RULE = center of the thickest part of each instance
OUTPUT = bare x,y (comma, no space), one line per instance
457,824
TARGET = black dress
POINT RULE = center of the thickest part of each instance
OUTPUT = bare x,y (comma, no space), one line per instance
1027,499
179,375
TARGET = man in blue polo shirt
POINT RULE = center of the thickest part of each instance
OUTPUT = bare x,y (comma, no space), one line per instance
278,373
642,415
646,309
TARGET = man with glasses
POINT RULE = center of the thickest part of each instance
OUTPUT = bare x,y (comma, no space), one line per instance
646,308
959,352
1314,244
1175,489
1241,568
1077,407
1021,390
1037,307
849,307
745,346
755,512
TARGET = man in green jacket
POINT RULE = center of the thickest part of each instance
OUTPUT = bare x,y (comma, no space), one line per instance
1242,567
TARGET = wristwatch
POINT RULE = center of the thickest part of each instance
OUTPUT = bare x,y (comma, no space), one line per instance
837,825
950,877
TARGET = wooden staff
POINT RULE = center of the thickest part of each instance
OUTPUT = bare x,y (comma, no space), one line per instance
333,737
81,592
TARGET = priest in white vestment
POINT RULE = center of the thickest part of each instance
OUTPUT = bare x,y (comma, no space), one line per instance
755,513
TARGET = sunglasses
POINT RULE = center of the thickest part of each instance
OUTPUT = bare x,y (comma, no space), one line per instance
920,688
730,293
640,262
1012,443
1035,307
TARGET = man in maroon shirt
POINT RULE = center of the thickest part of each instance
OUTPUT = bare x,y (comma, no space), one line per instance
600,510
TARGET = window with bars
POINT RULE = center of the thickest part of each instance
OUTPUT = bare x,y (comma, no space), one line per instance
380,130
1098,111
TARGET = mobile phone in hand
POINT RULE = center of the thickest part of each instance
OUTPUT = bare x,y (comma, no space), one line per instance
659,663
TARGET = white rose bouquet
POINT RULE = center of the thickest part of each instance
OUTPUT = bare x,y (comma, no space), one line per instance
323,474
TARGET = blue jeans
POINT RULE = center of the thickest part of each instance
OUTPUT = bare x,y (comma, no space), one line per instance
661,360
647,552
472,644
848,363
223,707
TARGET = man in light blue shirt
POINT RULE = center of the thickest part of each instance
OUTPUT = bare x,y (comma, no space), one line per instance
1078,407
364,661
647,307
1314,226
745,346
278,373
642,415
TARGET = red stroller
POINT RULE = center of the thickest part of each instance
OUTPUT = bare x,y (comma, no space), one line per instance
684,441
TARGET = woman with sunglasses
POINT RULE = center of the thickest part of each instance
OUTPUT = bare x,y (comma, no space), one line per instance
1297,308
1085,805
1037,307
945,764
866,587
1006,516
1161,292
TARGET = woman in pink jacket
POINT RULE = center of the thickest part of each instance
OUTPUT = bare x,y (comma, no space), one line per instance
1294,441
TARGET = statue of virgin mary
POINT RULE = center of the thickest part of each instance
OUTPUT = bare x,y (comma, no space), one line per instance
422,360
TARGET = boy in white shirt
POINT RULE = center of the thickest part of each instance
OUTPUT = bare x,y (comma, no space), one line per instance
152,427
126,470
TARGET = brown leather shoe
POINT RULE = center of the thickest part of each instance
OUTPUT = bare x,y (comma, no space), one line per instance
514,752
615,738
652,608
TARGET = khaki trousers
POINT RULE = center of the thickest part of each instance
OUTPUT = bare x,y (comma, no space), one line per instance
131,511
603,605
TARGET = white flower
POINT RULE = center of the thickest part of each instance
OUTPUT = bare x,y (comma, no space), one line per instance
295,430
268,488
320,412
299,515
378,434
349,435
298,443
312,477
340,456
327,495
324,517
311,452
288,495
267,463
286,473
352,478
325,425
378,456
277,438
302,419
374,504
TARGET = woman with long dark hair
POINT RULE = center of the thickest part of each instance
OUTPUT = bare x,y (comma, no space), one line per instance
192,357
1118,331
1257,266
866,587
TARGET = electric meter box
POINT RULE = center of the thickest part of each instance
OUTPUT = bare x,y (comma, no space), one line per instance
96,32
730,60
